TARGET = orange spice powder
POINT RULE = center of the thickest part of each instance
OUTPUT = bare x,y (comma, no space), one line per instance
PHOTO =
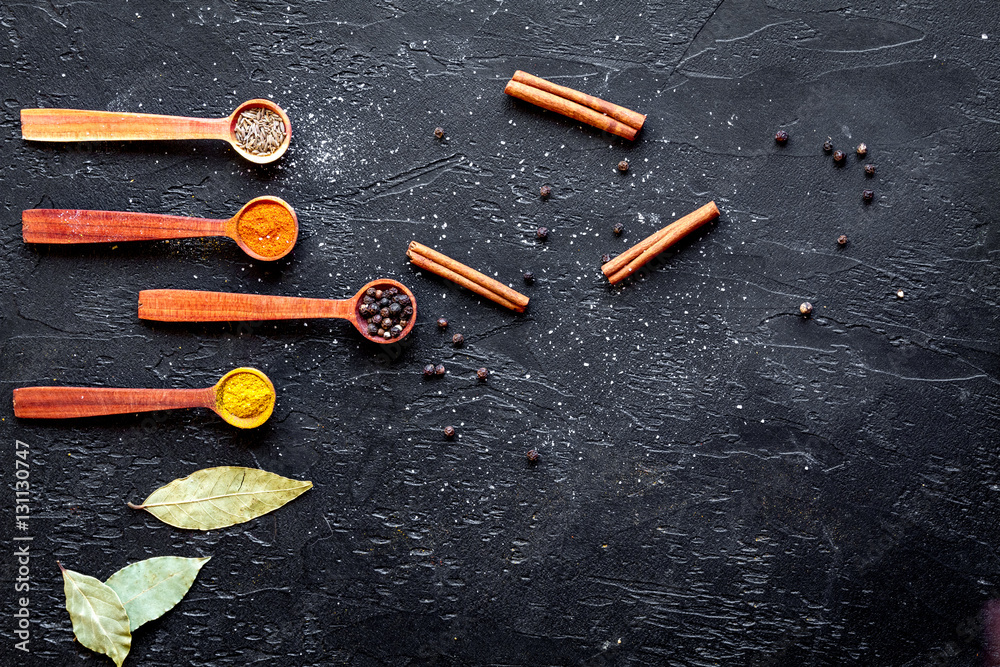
267,228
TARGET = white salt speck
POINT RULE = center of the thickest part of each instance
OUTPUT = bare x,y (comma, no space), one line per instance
739,407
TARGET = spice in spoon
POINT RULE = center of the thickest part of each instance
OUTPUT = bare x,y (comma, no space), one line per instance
259,131
267,228
245,396
387,311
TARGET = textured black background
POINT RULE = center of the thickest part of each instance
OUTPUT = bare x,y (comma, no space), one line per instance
722,481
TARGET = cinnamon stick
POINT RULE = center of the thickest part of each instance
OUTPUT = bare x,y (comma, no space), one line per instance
431,260
637,256
576,105
621,114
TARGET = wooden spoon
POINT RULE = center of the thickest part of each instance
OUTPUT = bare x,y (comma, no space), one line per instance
69,402
50,225
81,125
176,305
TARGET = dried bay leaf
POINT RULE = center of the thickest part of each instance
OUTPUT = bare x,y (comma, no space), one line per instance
219,497
100,621
150,588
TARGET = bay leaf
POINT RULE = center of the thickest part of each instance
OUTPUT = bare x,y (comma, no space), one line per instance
100,621
150,588
219,497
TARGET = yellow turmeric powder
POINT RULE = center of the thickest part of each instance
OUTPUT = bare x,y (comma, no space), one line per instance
267,228
245,395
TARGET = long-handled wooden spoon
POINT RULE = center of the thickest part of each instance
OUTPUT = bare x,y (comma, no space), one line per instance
81,125
244,397
175,305
49,225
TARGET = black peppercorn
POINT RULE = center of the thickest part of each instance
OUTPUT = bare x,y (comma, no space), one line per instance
862,150
482,374
545,191
384,312
838,157
439,370
442,323
532,455
618,229
449,432
458,340
529,278
827,146
842,239
869,170
867,196
542,234
428,370
806,309
605,258
781,137
623,166
439,132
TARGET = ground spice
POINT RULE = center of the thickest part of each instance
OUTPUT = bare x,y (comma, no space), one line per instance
245,396
267,228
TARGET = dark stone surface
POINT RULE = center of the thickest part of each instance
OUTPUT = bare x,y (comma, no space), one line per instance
721,482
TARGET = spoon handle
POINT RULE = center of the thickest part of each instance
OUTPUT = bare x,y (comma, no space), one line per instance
42,225
64,402
80,125
176,305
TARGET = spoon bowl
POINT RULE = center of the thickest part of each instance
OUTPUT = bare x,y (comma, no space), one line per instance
246,235
262,104
361,324
244,397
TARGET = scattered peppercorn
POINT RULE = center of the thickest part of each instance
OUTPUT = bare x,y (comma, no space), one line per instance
439,370
623,166
862,150
838,157
439,132
605,258
618,228
545,191
529,278
387,312
542,234
442,323
827,146
458,340
532,455
842,239
806,308
869,170
428,370
781,137
449,432
867,195
482,374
